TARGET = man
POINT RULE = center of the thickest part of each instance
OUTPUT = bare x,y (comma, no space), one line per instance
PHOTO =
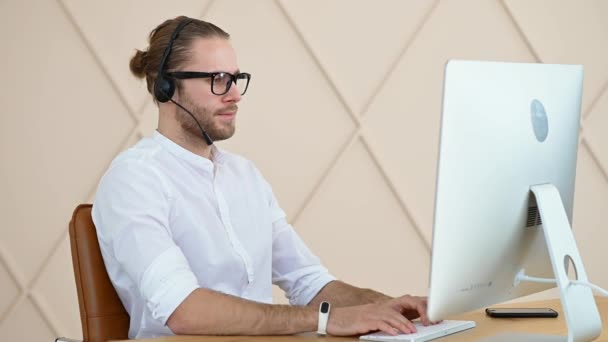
193,237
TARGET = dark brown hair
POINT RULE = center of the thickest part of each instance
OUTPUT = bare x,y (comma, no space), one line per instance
146,63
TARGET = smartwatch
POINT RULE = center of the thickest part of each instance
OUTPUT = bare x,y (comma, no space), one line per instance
323,317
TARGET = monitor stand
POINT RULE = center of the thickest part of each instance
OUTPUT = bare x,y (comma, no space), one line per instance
582,317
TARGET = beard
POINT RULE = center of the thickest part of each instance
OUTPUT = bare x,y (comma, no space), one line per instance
216,129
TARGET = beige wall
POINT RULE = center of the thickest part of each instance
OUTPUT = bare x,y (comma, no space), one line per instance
342,117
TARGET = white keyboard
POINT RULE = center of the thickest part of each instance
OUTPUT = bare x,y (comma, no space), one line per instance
423,333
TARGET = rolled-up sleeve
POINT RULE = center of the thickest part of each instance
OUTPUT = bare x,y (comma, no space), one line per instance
132,211
295,269
166,283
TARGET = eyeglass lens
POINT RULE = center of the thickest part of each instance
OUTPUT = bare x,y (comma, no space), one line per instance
223,81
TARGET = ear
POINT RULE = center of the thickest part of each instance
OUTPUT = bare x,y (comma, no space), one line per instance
177,89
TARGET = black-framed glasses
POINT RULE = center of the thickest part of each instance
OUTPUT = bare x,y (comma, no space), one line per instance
220,81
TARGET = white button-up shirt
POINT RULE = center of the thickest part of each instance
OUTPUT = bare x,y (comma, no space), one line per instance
170,221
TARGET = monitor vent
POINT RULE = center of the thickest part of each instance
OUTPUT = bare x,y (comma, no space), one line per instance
533,216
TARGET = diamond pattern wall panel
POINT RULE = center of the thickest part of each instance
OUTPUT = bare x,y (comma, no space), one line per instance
59,137
290,122
10,289
354,212
54,291
351,155
403,120
359,32
149,118
26,323
574,32
101,22
595,130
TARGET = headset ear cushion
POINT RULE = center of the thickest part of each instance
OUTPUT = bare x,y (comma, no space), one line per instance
164,88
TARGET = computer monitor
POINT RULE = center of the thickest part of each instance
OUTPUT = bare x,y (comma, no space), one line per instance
505,127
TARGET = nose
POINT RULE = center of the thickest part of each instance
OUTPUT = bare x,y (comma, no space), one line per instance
233,94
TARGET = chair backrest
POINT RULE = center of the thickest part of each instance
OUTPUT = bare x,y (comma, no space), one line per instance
102,314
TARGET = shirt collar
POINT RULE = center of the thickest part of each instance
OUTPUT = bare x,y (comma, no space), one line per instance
218,155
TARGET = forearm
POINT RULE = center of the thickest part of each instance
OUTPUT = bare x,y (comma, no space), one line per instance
341,294
206,312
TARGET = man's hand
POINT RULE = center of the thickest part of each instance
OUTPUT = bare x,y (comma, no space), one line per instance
392,317
361,319
411,307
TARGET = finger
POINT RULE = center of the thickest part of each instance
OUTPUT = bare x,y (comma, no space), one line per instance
406,302
399,325
385,327
411,326
422,311
400,322
425,301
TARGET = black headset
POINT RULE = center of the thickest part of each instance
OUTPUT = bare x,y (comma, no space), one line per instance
164,86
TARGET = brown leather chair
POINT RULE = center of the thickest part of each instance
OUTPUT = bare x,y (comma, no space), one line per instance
102,314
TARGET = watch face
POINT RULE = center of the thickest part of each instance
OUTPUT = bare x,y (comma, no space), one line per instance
324,307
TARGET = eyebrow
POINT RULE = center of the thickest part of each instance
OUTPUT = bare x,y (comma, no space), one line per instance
238,71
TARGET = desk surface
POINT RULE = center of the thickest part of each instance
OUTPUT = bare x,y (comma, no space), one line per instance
486,326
